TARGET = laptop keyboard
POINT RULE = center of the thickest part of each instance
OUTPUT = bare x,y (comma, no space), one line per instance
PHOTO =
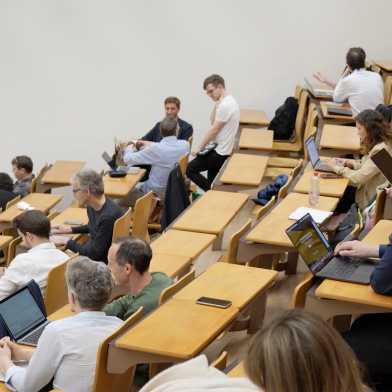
324,166
33,337
340,269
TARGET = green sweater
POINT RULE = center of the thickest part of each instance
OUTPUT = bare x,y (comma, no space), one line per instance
125,306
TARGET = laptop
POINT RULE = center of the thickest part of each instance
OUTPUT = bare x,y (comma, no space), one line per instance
339,110
383,160
109,160
317,91
319,257
22,317
314,157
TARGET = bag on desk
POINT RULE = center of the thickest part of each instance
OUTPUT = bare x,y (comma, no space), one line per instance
283,124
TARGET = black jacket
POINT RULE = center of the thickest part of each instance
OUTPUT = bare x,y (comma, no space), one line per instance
176,197
185,132
5,197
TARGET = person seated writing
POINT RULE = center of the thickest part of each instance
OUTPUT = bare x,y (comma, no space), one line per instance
22,167
67,349
34,228
129,262
375,134
161,156
361,88
102,212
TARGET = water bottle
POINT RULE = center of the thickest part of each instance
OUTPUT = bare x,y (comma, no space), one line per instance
314,193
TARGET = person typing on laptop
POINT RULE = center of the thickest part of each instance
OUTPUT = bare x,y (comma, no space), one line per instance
67,349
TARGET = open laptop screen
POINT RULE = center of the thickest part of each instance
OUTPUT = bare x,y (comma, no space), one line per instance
310,243
21,313
312,151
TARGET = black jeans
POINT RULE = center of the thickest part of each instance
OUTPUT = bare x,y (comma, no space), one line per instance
211,162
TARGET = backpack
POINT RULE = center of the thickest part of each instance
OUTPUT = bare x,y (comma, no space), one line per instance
283,123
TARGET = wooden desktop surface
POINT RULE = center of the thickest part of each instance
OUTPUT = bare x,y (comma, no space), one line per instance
5,240
334,187
237,371
40,201
61,172
212,212
324,110
71,214
271,229
120,187
182,243
379,234
236,283
179,329
63,312
171,265
384,64
251,116
340,137
256,139
244,169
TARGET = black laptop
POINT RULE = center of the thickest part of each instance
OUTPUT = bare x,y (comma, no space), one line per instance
319,257
22,317
339,110
383,160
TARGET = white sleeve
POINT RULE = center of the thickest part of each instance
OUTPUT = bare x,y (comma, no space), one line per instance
223,113
14,277
340,94
42,366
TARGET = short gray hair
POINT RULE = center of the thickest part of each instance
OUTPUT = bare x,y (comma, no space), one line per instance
90,180
90,281
168,127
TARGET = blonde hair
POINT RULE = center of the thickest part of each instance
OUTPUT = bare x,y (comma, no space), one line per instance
299,352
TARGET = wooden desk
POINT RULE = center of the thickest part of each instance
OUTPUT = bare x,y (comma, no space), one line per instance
4,241
339,139
182,243
118,188
211,213
335,118
63,312
172,265
256,139
379,234
237,283
271,229
60,174
71,214
244,169
40,201
334,187
385,65
238,371
253,117
176,331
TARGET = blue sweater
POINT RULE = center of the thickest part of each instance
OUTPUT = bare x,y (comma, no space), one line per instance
381,279
185,132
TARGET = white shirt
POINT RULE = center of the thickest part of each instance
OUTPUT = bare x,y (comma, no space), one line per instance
33,264
362,89
228,112
67,350
162,157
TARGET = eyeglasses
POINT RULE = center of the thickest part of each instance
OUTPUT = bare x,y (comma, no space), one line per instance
76,190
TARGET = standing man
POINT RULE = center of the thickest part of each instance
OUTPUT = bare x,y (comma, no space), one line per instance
220,137
361,88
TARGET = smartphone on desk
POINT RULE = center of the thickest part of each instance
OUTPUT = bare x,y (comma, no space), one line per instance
216,302
73,222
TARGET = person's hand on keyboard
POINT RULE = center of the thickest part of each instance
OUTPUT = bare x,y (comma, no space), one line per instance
356,249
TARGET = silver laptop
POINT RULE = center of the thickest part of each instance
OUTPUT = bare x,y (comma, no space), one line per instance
319,257
22,317
314,156
317,91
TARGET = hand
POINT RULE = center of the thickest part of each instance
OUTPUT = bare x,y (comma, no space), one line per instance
388,191
59,239
140,144
331,162
340,161
61,229
356,249
320,77
5,357
17,352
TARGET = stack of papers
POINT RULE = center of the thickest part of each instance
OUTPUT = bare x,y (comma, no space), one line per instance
319,216
22,205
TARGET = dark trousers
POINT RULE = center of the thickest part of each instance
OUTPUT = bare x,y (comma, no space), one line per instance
211,162
370,339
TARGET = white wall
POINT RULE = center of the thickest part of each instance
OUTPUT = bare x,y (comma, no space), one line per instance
76,73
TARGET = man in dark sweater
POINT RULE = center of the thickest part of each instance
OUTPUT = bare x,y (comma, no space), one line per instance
102,212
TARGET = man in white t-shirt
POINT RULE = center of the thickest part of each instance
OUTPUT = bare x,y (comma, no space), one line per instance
225,120
361,88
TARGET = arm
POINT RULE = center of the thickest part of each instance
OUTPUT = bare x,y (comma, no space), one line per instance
42,367
211,134
340,93
147,156
14,277
186,132
323,79
118,307
151,136
381,279
96,247
84,229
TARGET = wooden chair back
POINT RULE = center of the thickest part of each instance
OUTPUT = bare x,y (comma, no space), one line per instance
297,168
122,225
299,296
37,179
285,188
190,141
261,212
380,205
388,90
104,381
300,120
141,215
221,362
176,287
12,202
53,214
11,251
56,293
183,163
231,256
311,121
